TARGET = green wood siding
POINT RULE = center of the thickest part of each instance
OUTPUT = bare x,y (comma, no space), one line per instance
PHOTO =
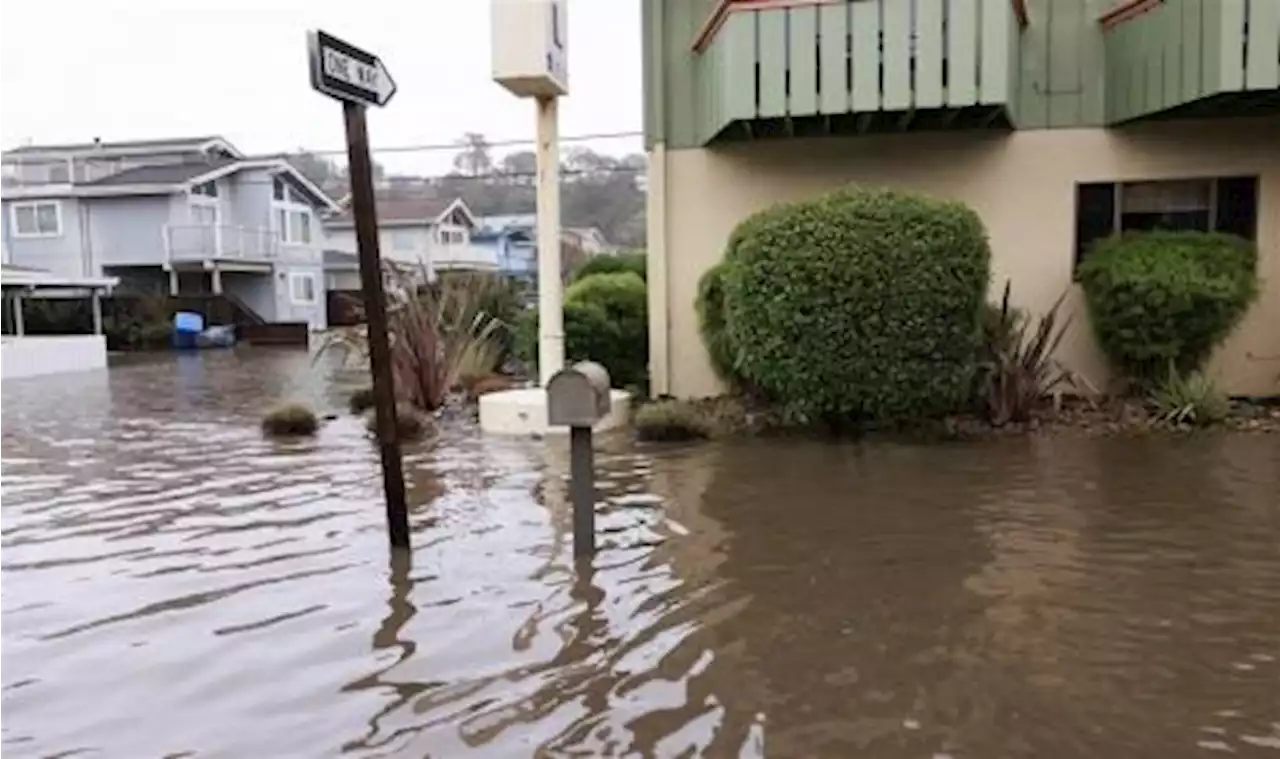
1184,51
1063,70
775,65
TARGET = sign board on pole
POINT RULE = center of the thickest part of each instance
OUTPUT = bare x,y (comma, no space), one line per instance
531,47
343,71
359,79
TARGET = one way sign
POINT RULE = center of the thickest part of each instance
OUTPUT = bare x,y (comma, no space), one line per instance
346,72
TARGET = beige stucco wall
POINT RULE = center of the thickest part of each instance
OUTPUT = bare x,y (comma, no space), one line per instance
1021,183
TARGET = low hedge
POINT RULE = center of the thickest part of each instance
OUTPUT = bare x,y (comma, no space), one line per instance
1161,299
605,320
614,263
861,305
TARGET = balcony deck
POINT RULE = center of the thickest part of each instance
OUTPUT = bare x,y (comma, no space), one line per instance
229,247
787,68
1192,58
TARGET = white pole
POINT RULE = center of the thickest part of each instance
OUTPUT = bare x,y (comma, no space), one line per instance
19,328
550,298
96,298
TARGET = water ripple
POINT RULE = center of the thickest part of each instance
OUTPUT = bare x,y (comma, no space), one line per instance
175,585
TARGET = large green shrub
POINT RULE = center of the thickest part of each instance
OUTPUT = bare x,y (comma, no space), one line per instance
613,263
860,305
712,323
1166,298
605,320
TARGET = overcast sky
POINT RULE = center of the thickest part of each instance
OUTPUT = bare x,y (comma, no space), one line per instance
72,70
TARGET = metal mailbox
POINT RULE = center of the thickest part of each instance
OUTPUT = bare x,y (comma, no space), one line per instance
578,396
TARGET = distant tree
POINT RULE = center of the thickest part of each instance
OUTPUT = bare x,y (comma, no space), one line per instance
475,159
519,167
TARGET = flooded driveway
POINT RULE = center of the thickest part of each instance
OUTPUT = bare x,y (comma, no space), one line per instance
174,585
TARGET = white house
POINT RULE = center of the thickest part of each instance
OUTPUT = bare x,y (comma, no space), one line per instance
414,230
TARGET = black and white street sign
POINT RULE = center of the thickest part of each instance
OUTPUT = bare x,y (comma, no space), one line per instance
346,72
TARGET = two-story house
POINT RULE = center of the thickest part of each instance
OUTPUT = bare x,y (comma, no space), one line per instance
184,216
1058,121
419,233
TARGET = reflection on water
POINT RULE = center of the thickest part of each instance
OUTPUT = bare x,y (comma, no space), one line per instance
174,585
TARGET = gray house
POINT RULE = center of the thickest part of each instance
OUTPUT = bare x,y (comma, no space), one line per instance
184,216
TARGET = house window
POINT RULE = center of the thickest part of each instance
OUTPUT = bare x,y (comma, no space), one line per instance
1225,204
293,227
42,219
302,288
277,188
448,236
207,189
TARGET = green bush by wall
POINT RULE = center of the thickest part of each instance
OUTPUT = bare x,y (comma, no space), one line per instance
605,320
1158,299
712,324
860,305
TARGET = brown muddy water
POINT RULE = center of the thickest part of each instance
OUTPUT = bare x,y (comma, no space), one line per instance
174,585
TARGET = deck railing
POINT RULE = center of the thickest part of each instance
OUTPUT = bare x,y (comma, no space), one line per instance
762,60
1163,54
194,242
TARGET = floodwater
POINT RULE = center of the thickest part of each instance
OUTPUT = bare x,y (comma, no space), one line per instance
174,585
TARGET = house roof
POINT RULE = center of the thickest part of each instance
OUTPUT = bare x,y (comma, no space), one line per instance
397,208
127,146
162,179
23,276
341,259
166,173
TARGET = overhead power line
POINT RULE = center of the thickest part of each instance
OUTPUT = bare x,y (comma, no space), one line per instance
456,146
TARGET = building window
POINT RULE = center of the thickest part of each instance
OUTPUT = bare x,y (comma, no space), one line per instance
402,240
302,288
277,188
1225,204
293,227
449,236
207,189
42,219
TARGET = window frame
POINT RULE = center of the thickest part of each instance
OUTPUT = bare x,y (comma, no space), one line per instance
286,209
34,205
299,276
1080,253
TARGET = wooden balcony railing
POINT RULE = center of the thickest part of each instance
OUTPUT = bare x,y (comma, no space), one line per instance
794,59
1203,56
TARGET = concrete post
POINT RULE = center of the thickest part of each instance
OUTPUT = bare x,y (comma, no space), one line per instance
96,300
550,296
19,328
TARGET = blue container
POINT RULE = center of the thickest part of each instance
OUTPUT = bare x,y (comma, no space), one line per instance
185,340
185,322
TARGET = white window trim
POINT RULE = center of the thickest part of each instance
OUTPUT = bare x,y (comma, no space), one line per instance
34,206
297,276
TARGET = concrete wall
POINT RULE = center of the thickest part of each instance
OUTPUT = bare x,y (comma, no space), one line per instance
1023,186
35,356
63,254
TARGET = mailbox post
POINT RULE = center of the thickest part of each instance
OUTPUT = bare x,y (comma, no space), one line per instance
578,397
